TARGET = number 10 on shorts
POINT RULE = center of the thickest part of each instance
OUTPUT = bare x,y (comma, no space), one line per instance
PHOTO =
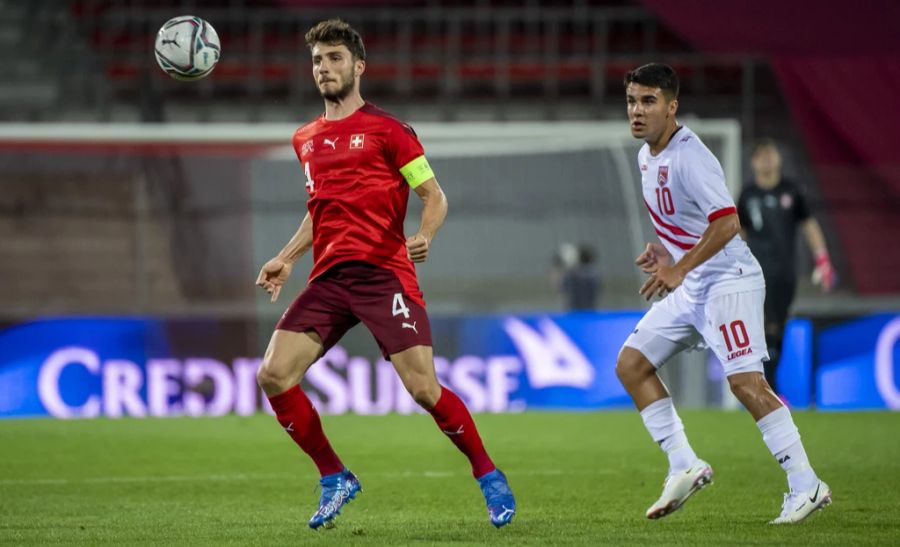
738,335
399,307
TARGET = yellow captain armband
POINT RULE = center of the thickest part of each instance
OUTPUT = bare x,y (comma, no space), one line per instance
417,171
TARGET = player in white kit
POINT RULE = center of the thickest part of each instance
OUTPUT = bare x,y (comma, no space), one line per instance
713,293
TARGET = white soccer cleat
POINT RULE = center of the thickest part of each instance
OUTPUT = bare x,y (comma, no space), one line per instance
679,487
799,505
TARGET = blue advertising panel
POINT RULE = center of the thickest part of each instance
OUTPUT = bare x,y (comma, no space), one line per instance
795,369
559,362
84,368
52,366
70,368
859,364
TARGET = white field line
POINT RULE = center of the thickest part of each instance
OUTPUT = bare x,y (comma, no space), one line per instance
263,477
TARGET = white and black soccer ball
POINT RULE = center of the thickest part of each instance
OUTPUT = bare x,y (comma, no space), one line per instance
187,48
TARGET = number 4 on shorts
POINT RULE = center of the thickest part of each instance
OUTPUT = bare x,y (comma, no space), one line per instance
399,307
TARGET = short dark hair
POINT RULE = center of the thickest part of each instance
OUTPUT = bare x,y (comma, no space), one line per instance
336,32
655,75
759,144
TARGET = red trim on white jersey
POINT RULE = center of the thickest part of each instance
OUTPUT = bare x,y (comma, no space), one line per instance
680,244
721,213
671,227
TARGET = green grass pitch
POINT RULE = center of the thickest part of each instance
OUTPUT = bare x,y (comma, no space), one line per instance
580,478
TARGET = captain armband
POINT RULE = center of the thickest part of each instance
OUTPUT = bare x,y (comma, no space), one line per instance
417,171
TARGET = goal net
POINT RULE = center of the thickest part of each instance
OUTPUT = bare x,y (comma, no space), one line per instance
175,218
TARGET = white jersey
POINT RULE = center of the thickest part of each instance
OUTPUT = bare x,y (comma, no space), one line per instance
684,190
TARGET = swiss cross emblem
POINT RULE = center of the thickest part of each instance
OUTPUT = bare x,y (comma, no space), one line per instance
356,141
662,175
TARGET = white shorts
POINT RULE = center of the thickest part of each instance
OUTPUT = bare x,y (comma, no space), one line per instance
731,325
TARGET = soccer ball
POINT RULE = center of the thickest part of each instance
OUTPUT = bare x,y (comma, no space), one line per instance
187,48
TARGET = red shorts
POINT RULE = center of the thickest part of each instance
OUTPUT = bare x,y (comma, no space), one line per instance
351,292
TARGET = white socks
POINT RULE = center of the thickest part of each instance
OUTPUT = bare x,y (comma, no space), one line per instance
783,439
665,428
777,428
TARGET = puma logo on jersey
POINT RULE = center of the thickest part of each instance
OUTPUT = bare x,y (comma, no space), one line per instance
332,143
412,326
454,433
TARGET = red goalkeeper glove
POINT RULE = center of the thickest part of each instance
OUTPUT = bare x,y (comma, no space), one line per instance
824,273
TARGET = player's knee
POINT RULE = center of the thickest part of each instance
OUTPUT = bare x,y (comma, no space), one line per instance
747,386
424,392
622,370
272,378
632,367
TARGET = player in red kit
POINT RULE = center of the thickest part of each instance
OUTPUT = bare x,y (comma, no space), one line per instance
360,163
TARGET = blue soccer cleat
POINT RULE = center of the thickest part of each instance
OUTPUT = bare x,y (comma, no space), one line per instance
501,504
337,491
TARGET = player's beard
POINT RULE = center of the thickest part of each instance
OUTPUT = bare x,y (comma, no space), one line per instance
343,91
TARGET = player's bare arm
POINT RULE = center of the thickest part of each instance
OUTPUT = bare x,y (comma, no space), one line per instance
814,237
275,272
667,278
434,212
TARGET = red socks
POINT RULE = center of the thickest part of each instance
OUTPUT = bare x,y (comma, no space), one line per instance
454,419
300,420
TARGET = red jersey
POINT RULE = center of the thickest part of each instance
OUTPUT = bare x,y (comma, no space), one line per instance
357,195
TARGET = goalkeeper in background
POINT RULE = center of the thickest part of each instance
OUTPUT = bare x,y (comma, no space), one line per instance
770,209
